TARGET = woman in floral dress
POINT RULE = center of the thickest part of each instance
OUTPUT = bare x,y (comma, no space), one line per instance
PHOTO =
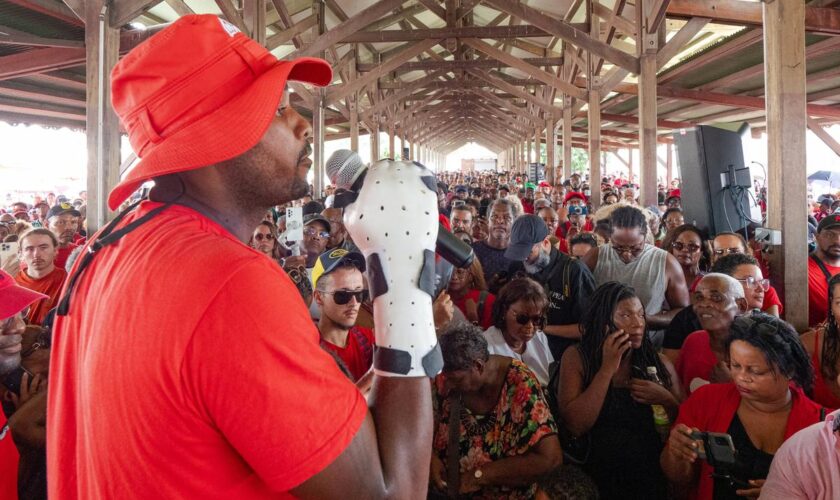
506,438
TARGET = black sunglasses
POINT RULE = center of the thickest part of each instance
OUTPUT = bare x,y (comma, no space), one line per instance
342,297
523,319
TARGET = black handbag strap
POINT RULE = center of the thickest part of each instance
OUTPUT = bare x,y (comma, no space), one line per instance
822,267
453,448
103,239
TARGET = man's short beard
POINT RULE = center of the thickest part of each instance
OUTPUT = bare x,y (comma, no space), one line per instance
251,178
541,263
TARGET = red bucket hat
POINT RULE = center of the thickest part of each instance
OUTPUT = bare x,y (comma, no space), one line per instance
197,93
13,297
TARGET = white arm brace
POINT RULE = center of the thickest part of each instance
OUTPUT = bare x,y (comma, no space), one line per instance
394,222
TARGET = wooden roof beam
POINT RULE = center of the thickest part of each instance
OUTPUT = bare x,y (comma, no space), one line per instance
410,52
54,9
362,19
527,68
567,32
125,11
11,36
820,20
498,32
518,92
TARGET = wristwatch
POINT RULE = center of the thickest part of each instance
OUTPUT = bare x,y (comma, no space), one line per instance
478,474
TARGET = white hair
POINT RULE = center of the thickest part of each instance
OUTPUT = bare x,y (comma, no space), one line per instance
735,287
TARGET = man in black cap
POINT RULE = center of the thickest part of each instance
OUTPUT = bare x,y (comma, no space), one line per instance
822,265
339,293
63,220
567,282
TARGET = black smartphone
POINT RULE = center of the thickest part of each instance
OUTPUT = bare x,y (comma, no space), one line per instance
718,448
13,379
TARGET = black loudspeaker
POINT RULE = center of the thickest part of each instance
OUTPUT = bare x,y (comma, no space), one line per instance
715,182
536,172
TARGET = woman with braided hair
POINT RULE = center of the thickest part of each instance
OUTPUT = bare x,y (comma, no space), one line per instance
604,395
761,408
823,345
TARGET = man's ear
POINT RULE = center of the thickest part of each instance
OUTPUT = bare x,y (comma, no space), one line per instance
318,297
546,243
743,306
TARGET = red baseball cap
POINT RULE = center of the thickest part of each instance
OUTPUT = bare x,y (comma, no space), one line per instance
544,184
574,194
13,297
197,93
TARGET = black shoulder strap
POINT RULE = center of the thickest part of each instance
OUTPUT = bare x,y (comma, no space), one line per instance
822,267
453,448
482,300
822,414
566,268
105,238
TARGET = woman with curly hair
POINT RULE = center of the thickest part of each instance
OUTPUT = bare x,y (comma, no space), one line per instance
823,345
606,398
506,439
762,407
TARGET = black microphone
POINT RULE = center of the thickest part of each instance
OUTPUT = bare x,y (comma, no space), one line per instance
346,170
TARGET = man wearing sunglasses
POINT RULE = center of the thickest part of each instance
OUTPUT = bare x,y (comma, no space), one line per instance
339,293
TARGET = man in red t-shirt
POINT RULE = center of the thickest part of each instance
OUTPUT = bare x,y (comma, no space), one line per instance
14,300
339,293
822,265
184,362
38,250
63,220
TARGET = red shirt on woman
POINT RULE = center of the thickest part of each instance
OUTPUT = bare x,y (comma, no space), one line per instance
712,407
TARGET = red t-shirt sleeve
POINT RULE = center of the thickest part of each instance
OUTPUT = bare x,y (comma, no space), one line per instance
771,298
255,367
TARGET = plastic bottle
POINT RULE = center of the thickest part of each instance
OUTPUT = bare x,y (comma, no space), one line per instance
660,416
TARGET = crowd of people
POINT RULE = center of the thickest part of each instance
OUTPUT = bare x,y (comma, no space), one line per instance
569,339
610,353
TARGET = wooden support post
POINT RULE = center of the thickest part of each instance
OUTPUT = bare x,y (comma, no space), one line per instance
567,141
550,151
374,139
391,142
318,107
630,172
102,42
595,148
402,146
669,166
647,110
412,154
537,144
353,106
253,16
318,144
528,152
784,63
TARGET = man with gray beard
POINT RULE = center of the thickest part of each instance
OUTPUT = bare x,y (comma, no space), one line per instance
568,283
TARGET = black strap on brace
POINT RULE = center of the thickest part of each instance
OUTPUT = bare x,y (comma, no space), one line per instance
104,239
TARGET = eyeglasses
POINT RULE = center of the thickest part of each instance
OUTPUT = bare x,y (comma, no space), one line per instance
523,319
728,251
632,250
691,247
754,283
311,231
6,323
342,297
261,237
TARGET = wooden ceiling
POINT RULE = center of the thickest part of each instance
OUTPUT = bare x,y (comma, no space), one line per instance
446,72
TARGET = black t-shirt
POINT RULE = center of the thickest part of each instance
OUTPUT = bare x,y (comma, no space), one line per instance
492,260
566,302
684,324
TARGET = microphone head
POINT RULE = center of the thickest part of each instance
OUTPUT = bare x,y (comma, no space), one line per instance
343,168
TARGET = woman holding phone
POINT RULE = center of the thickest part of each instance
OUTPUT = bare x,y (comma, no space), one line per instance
605,399
762,407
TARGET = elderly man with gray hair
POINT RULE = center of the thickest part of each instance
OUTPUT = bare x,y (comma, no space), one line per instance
718,300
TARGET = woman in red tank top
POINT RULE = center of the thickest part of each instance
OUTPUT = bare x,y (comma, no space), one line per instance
823,344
